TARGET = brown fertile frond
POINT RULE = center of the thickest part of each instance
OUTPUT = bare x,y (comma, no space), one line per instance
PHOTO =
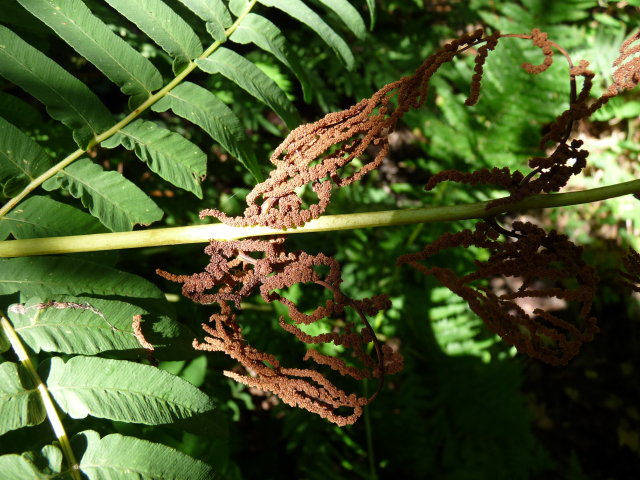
548,264
232,273
631,278
320,154
481,57
550,173
627,74
580,108
501,177
238,269
540,40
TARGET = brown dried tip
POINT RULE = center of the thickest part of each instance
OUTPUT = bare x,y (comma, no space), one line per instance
481,57
627,73
631,278
136,325
501,177
580,108
320,154
548,265
238,269
541,41
549,174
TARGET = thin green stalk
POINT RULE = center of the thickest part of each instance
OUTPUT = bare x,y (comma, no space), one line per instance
50,408
373,474
35,183
203,233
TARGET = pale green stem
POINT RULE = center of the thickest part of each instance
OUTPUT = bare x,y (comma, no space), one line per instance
35,183
373,474
50,408
219,231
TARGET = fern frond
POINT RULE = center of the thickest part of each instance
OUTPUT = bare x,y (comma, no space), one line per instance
71,102
90,37
348,14
215,13
21,159
20,404
41,216
249,77
163,26
299,11
67,99
203,108
114,200
262,32
169,154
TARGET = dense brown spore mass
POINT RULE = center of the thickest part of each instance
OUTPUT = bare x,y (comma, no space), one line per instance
548,265
631,278
321,156
238,269
552,172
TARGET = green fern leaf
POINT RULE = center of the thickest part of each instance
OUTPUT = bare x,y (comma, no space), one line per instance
40,216
167,153
114,200
249,77
46,277
260,31
21,113
163,26
371,5
89,36
210,11
20,404
302,13
98,325
123,391
215,13
43,466
67,99
203,108
118,457
348,14
216,31
21,159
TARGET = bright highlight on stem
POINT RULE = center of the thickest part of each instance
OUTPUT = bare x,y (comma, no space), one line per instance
219,231
52,413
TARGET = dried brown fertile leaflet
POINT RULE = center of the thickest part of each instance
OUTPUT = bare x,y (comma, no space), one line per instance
240,268
320,153
552,172
631,278
321,156
548,265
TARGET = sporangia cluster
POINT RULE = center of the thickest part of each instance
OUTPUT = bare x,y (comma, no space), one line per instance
320,156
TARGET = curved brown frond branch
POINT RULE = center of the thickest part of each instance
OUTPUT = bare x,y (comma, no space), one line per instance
321,154
548,265
238,269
